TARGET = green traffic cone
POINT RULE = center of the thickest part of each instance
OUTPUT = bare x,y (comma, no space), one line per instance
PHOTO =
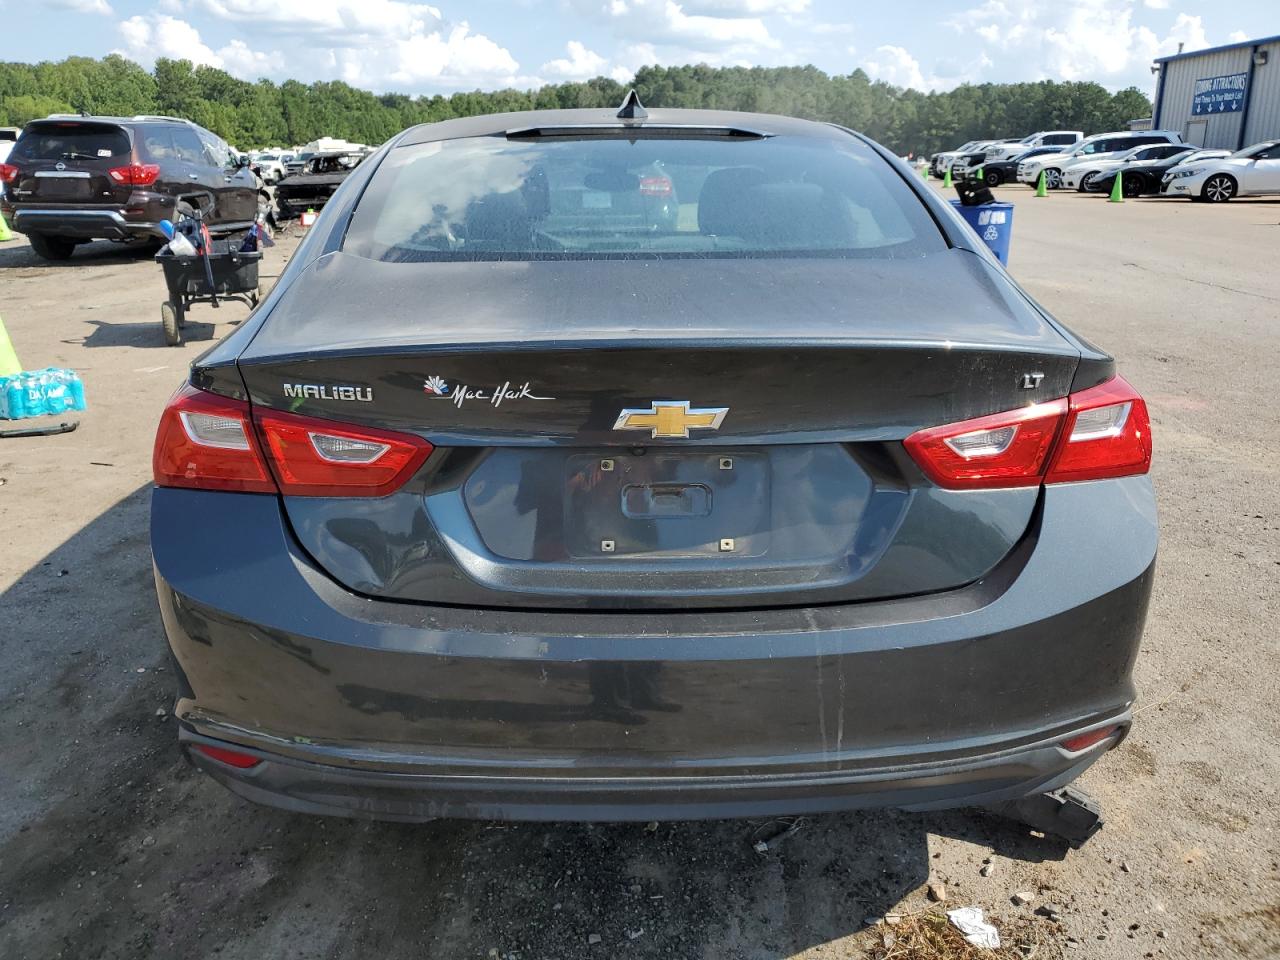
1042,187
924,173
946,179
5,232
981,174
1117,190
9,364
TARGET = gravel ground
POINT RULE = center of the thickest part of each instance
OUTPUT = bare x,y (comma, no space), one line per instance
111,847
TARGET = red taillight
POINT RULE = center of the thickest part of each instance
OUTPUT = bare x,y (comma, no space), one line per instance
208,442
320,458
1002,450
1085,740
8,173
1107,434
232,758
1097,433
136,174
655,186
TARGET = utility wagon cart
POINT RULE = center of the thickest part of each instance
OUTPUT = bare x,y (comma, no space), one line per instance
221,272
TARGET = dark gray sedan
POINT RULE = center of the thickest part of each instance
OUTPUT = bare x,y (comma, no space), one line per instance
689,464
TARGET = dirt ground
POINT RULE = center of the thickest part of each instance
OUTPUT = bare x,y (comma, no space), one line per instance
111,847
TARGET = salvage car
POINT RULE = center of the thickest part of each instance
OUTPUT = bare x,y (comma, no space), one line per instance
517,500
1251,172
71,179
311,188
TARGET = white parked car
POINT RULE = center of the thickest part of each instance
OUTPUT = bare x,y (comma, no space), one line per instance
1098,144
1043,138
1079,174
940,162
8,136
1249,172
270,167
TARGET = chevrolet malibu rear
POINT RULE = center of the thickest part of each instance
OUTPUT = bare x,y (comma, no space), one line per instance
697,465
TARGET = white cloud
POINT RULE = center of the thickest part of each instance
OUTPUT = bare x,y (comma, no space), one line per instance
149,37
694,31
1156,4
1081,40
457,57
378,44
100,7
239,60
897,66
825,29
331,23
1237,36
631,58
581,64
740,8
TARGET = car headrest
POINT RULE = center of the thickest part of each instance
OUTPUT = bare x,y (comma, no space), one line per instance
777,215
720,200
498,221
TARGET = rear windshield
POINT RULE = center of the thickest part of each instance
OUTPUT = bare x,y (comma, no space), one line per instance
490,198
71,141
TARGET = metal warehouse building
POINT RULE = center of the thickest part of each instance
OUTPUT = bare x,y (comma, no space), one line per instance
1224,97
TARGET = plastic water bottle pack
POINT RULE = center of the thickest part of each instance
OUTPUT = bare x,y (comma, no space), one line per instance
37,393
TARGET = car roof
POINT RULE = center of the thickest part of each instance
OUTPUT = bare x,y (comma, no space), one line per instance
95,118
494,124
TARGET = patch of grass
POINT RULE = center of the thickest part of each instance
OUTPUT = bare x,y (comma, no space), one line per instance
931,936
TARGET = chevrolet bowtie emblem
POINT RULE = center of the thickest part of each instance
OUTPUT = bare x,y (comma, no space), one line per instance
671,418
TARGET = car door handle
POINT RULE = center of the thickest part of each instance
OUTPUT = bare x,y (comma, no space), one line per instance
226,179
193,176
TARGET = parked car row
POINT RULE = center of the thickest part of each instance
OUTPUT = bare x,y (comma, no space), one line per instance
997,151
1100,147
1148,162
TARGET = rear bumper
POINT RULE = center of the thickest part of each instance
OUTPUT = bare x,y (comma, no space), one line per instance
404,711
82,224
322,784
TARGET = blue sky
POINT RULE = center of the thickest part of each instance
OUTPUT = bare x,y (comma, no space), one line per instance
410,47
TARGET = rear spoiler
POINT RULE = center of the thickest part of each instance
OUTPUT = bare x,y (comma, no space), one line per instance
634,131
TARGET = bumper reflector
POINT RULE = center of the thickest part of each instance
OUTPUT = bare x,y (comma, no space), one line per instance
232,758
1086,740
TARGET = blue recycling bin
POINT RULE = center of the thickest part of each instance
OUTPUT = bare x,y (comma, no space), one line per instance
992,222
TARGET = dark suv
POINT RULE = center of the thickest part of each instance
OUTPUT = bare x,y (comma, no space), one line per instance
71,179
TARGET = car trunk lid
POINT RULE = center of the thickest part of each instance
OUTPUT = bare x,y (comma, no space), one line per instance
563,476
69,161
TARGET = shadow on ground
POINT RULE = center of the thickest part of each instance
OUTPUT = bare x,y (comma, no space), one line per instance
106,334
110,846
18,253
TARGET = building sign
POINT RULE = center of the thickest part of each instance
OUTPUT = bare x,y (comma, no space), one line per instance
1219,94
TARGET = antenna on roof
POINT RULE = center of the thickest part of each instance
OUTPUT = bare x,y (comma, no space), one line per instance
631,108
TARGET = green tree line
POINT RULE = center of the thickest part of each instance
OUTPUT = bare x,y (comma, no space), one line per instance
264,113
